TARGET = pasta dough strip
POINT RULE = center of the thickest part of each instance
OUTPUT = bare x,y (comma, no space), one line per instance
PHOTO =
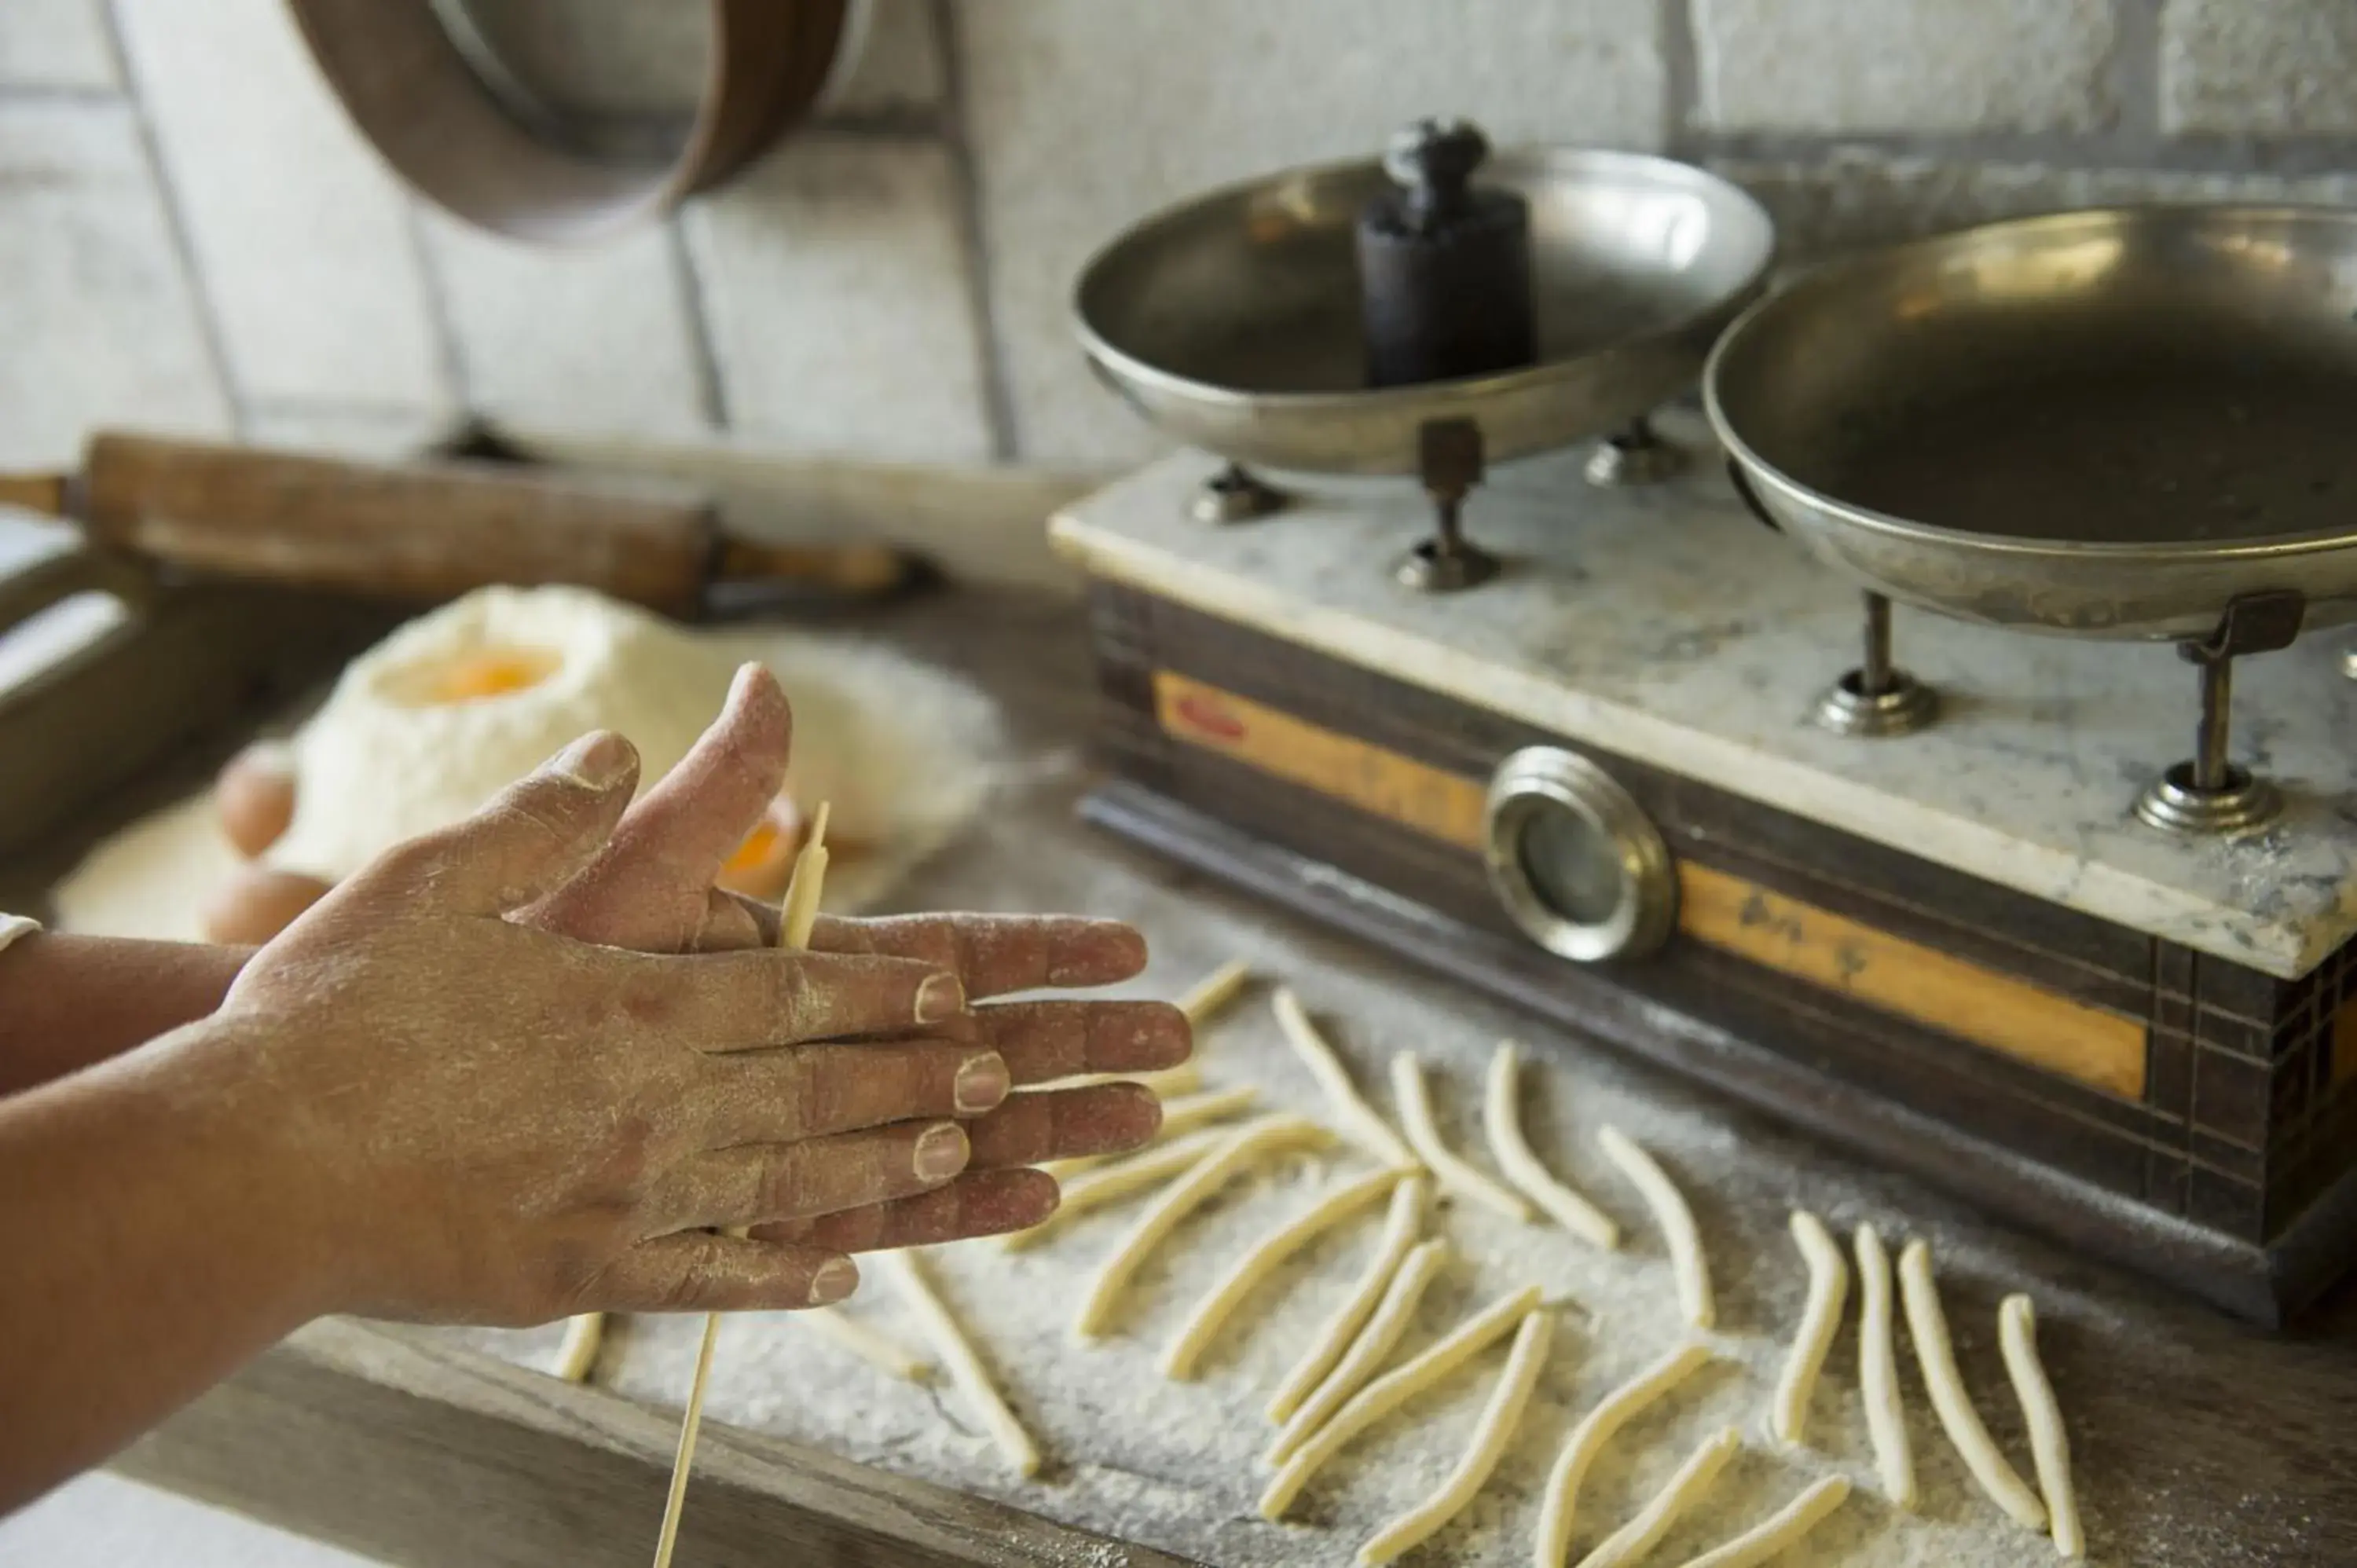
1117,1179
1195,1335
1210,996
965,1368
1612,1413
1482,1450
796,917
1780,1531
878,1350
1359,1122
1214,1171
1676,1221
1366,1352
1183,1115
1334,1335
1820,1318
1447,1168
1665,1507
1928,1326
577,1354
2049,1445
1394,1389
1501,1118
1878,1373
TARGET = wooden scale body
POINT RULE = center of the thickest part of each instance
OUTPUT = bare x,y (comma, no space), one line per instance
1592,786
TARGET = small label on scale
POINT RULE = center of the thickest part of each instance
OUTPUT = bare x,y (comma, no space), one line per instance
1441,805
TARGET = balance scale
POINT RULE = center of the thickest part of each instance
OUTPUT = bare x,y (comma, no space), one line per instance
1618,775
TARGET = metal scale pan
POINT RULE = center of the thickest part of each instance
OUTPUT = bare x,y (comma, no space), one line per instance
2128,423
1233,322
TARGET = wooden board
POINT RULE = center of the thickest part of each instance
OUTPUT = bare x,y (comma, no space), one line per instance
2201,1443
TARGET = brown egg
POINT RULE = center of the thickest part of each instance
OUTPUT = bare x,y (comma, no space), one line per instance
765,859
256,797
259,903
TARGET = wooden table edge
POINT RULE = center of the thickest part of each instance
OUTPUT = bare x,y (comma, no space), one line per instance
379,1439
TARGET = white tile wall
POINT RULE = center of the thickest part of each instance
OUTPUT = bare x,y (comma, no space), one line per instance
302,240
899,66
845,303
594,338
1086,115
1903,65
97,321
834,280
1858,197
2245,66
55,43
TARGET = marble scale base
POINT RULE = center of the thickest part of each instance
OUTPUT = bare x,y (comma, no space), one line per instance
1958,950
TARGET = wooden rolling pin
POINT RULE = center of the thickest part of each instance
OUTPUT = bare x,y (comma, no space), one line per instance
430,531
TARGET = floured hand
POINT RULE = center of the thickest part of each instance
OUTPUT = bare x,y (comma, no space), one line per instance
485,1120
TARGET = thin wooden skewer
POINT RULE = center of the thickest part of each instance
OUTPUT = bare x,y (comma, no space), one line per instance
796,918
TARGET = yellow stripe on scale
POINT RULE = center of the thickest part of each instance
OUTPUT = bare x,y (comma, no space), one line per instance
2028,1023
2088,1044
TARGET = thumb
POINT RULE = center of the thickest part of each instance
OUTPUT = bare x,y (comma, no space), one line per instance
533,838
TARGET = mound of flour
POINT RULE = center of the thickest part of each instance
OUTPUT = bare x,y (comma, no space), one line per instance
906,754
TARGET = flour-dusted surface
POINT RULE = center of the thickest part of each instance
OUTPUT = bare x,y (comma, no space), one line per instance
2199,1443
1663,624
1174,1465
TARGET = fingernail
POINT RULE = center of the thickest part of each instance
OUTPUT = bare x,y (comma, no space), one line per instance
836,1278
941,1152
594,761
940,999
982,1082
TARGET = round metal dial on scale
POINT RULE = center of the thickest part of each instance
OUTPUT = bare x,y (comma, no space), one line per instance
1574,859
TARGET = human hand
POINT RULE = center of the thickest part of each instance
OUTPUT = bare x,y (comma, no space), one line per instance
653,888
474,1119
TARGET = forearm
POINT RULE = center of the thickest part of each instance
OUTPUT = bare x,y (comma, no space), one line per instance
147,1253
68,1001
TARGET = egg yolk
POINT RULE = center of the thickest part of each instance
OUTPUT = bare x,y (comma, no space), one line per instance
490,674
759,848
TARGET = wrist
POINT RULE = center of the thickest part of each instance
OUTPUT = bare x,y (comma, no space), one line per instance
232,1151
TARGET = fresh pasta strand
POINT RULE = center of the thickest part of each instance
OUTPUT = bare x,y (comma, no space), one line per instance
1118,1179
1501,1118
1447,1168
1676,1221
877,1350
965,1368
1928,1326
1366,1353
1232,1155
1685,1488
1482,1450
1820,1319
1780,1531
1612,1413
1195,1335
2050,1445
1878,1373
797,915
1393,1389
1209,997
1359,1121
577,1355
1334,1335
